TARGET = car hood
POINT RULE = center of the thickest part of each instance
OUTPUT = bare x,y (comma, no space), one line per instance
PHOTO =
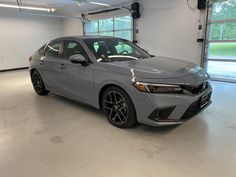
155,68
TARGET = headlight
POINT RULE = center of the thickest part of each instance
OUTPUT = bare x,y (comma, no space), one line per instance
157,88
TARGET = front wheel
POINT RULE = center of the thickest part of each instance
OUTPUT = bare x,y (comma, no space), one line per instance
38,83
118,108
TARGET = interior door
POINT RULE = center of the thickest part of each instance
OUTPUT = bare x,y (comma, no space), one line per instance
49,64
76,81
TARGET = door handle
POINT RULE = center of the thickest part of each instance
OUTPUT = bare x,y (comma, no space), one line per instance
62,66
41,62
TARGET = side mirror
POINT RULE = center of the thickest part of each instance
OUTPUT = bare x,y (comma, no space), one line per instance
78,59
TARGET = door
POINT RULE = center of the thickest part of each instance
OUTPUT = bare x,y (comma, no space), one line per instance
221,43
76,80
49,63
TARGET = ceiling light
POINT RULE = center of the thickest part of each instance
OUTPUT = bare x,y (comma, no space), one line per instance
28,7
100,4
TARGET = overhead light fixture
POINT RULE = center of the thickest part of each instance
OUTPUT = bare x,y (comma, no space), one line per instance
100,4
28,7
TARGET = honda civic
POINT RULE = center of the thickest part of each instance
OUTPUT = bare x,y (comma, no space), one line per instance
123,80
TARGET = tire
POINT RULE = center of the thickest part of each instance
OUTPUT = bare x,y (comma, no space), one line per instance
118,108
38,84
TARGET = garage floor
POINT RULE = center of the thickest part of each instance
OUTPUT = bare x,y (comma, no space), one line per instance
54,137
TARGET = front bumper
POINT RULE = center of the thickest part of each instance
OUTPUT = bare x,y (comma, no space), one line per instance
168,109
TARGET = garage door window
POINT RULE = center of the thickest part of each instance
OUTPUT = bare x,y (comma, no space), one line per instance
221,58
121,27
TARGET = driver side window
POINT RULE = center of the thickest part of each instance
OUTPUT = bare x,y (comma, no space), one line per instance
72,48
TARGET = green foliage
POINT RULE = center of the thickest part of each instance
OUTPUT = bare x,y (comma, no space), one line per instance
222,49
123,23
224,10
106,24
224,31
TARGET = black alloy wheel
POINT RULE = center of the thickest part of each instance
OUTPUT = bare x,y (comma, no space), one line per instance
118,108
38,83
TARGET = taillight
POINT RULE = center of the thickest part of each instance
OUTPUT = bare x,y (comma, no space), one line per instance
30,58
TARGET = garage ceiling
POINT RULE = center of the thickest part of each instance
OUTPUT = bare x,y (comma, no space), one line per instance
70,7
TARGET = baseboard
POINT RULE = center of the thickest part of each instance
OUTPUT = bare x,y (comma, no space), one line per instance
13,69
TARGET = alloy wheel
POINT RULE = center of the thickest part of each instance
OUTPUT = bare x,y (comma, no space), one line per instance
37,82
116,108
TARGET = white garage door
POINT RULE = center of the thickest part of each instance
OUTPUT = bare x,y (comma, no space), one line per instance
221,56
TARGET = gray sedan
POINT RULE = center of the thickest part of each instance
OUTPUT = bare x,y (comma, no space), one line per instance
124,81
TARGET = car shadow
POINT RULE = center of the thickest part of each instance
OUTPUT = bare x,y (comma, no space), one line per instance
93,110
162,130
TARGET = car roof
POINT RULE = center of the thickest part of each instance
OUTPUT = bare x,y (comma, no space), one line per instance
84,37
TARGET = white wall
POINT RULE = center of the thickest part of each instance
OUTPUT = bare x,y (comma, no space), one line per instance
72,26
21,35
170,28
166,28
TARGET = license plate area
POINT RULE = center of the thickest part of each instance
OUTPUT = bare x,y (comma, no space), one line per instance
205,99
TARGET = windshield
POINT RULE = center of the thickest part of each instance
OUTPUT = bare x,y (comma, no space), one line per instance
115,49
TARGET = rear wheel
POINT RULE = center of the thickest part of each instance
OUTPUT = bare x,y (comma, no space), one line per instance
38,83
118,108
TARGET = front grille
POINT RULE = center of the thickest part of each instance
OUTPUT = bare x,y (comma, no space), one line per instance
197,90
195,108
191,111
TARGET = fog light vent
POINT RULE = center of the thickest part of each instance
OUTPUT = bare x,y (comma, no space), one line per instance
161,114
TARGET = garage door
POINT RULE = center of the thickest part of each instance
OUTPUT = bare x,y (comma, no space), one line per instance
121,27
221,45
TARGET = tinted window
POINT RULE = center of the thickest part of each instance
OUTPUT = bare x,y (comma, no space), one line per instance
53,49
72,48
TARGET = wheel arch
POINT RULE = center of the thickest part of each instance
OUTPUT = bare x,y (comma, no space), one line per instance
105,87
32,70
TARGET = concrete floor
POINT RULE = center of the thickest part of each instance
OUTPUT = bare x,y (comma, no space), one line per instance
54,137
